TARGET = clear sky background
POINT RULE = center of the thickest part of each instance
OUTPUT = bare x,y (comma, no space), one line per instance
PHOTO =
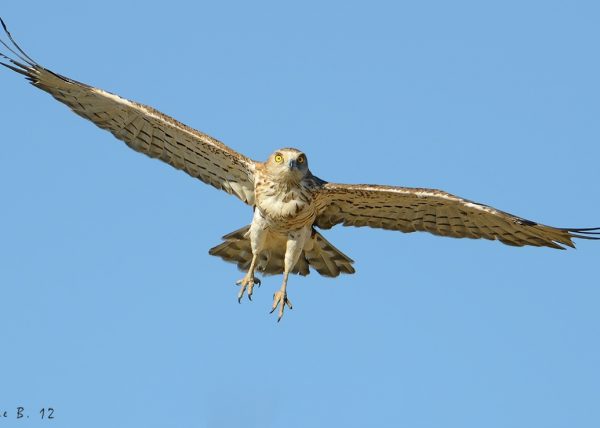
113,313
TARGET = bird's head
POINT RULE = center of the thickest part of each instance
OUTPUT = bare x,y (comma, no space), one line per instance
288,164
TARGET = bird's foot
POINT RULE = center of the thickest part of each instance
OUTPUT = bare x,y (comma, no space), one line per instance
280,299
246,284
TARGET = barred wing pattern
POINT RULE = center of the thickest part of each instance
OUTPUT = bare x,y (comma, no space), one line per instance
412,209
143,128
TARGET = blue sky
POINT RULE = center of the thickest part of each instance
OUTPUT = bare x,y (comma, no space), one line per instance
114,314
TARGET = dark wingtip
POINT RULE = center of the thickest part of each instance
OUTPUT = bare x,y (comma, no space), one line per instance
21,53
18,70
593,230
592,233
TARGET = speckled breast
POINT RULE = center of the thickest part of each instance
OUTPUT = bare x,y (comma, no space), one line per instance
285,206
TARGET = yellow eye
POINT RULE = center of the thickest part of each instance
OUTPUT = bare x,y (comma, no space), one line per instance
301,159
278,158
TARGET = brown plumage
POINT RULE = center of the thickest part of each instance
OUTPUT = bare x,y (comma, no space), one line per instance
288,200
411,210
145,129
321,256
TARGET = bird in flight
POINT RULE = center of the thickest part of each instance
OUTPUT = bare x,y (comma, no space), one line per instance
289,203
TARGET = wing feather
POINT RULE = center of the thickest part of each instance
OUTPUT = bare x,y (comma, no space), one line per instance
143,128
440,213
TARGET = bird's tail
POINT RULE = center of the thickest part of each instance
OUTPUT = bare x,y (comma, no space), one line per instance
319,254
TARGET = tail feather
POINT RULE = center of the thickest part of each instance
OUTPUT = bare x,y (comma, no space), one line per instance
235,249
327,259
320,254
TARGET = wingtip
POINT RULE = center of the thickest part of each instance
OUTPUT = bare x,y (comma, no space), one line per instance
15,69
21,53
590,230
591,233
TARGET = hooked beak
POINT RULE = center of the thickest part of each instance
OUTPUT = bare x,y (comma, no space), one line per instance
293,164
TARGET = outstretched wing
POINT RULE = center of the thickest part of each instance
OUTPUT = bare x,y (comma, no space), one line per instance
143,128
410,210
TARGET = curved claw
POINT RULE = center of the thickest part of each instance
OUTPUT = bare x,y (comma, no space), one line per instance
246,285
280,299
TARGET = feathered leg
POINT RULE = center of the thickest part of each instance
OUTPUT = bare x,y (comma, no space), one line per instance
294,247
258,236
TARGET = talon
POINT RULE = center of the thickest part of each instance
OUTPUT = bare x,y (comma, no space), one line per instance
246,286
280,299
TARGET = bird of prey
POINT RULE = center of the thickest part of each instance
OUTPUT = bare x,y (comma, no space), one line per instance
289,203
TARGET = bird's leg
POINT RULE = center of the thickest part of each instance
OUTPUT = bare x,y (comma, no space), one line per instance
280,298
247,282
294,246
257,235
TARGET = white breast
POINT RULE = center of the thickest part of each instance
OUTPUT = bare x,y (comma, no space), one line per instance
284,207
281,205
